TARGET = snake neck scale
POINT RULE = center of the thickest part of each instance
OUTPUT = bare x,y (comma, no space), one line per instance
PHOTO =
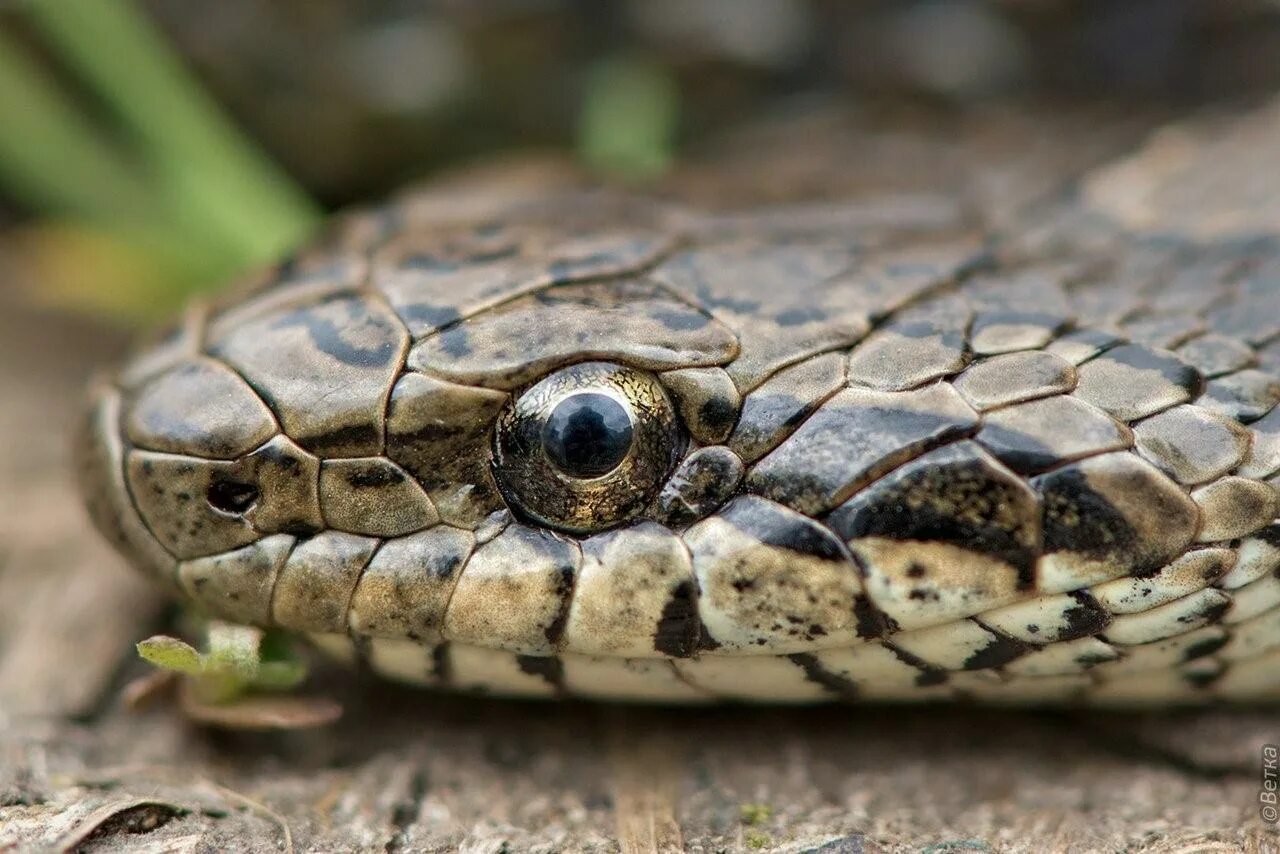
835,430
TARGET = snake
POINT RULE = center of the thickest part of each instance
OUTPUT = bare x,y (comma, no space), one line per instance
798,442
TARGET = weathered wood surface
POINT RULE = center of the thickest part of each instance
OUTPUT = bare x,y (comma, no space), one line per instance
405,771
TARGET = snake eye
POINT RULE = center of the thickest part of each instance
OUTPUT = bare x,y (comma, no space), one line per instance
231,497
587,447
588,434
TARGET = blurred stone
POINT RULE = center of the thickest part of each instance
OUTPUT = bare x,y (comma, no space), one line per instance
396,89
958,48
770,33
409,66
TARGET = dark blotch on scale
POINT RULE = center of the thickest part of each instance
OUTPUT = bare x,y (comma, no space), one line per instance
547,667
1001,650
326,333
871,621
587,435
679,628
819,675
1084,619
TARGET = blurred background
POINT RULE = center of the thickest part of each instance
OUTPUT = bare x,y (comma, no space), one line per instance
152,148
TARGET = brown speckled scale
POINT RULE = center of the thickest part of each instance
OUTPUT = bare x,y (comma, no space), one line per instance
883,447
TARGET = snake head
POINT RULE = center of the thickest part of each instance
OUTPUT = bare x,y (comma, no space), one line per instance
536,461
557,446
266,456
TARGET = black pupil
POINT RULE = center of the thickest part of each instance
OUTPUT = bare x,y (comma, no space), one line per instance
587,435
232,497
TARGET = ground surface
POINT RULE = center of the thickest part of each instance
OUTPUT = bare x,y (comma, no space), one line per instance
405,771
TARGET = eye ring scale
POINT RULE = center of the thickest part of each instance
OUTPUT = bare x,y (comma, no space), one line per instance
587,447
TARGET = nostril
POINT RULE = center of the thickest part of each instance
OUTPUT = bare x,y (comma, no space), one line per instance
232,497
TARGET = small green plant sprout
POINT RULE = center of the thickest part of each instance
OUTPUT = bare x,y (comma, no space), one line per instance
239,682
754,815
629,117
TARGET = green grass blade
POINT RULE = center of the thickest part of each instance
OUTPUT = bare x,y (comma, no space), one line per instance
51,158
208,167
629,116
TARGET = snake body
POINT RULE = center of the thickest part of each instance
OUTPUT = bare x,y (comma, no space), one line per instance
886,461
